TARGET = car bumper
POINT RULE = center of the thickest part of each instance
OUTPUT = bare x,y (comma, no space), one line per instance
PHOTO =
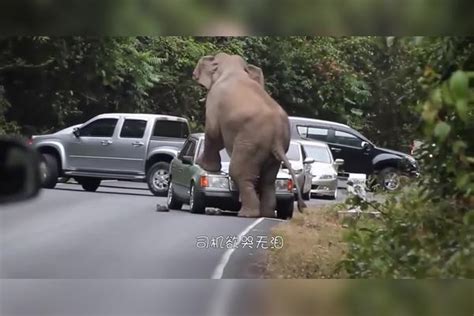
229,200
324,187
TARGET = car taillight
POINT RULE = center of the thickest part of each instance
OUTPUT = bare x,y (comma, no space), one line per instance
290,185
29,141
204,182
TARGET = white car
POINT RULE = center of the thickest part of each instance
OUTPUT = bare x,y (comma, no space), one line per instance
323,169
301,164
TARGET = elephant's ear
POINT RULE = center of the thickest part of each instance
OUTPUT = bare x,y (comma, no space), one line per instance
204,70
256,74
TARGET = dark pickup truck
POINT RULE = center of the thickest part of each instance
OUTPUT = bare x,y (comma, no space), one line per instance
360,154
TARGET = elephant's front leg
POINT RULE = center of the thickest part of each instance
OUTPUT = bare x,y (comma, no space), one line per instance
210,159
267,188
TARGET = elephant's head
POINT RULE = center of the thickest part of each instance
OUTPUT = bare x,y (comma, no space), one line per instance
210,68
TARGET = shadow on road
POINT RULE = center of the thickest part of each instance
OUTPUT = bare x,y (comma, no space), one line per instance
106,192
119,187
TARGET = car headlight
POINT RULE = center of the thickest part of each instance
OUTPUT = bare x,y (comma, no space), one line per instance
284,185
327,177
214,182
411,160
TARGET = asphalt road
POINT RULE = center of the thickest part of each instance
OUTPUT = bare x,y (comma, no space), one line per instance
71,242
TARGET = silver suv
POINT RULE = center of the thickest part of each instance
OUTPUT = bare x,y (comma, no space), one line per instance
114,146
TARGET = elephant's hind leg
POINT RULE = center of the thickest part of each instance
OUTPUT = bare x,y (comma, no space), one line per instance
267,187
245,175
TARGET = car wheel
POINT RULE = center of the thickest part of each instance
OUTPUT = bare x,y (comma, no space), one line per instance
285,209
306,196
49,170
389,179
196,202
173,202
158,178
90,184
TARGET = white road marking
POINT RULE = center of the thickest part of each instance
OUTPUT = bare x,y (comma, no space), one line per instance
275,219
226,287
221,303
219,270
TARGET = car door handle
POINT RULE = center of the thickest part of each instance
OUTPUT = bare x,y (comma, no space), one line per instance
138,144
106,142
336,149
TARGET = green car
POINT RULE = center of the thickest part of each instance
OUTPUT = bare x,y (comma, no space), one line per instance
190,184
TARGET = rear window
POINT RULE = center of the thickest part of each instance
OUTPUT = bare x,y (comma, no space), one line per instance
174,129
318,153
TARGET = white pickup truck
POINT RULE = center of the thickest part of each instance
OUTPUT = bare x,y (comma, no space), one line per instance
114,146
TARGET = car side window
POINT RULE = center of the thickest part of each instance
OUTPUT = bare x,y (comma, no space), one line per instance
99,128
133,129
185,148
302,130
344,138
318,133
191,150
188,150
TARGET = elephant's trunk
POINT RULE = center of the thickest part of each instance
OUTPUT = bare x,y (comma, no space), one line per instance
280,155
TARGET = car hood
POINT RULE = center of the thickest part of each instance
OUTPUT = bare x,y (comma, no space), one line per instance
394,152
68,130
320,168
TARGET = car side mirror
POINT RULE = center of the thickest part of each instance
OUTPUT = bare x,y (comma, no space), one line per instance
76,132
19,171
309,161
339,162
187,160
366,145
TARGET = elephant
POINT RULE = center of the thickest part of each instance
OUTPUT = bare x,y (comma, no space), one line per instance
252,127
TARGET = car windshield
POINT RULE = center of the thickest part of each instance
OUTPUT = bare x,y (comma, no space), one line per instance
224,156
293,152
318,153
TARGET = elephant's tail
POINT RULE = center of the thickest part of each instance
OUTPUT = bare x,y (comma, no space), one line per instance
280,155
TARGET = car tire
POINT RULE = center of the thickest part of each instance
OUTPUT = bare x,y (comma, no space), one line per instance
157,178
389,179
306,196
172,200
285,209
196,202
49,167
90,184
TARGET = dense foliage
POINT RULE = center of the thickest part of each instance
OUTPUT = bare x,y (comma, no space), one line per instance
371,83
427,230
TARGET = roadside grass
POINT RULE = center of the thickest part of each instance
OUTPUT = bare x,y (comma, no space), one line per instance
313,246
